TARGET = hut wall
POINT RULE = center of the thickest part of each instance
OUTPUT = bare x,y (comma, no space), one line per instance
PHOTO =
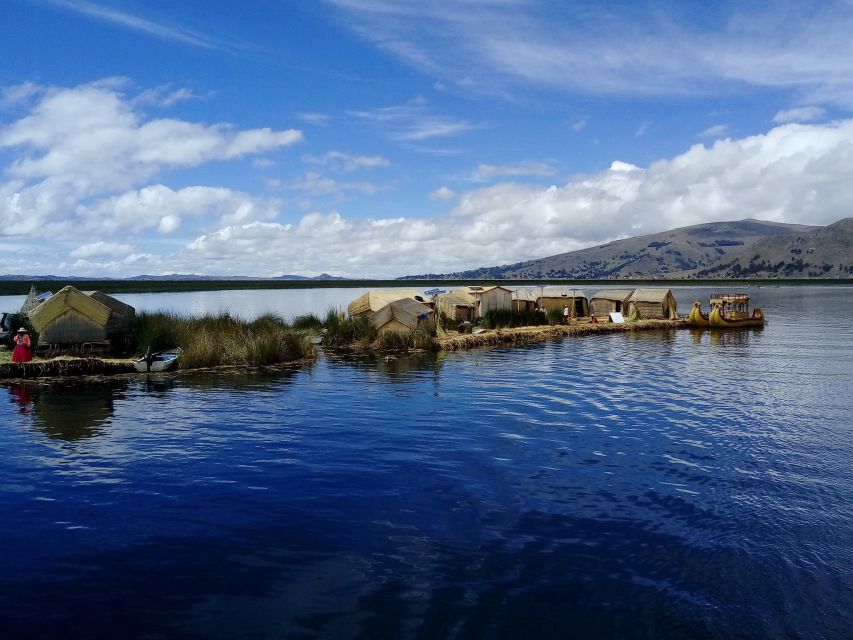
456,312
601,307
494,299
650,310
71,327
394,326
578,305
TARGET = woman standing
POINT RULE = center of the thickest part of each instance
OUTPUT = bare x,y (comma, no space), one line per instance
23,347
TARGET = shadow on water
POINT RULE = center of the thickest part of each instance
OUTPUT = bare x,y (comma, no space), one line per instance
69,411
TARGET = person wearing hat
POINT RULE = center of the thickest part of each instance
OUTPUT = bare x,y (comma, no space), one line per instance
23,351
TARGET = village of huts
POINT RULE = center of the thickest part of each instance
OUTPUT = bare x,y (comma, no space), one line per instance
405,310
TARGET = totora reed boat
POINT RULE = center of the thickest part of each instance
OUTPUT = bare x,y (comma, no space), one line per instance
731,311
696,317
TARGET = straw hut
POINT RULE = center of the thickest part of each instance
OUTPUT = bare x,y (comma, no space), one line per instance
490,298
33,300
374,300
72,317
650,304
120,313
403,316
559,297
458,305
524,299
609,301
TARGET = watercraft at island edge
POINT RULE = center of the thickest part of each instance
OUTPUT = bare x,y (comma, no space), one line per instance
156,362
696,317
731,311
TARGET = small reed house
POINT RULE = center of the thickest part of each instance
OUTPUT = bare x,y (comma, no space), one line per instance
72,317
551,298
491,298
403,316
609,301
374,300
458,305
652,304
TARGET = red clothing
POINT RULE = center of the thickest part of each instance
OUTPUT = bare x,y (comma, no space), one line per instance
22,351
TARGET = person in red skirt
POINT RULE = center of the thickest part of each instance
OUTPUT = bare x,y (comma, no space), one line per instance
23,351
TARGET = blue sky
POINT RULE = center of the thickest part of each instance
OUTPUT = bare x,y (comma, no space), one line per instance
376,138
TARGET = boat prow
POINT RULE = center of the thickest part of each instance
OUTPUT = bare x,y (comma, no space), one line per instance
157,362
696,317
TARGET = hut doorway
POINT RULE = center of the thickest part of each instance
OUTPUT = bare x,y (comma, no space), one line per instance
579,310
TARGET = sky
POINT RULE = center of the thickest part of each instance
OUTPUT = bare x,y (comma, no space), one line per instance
379,138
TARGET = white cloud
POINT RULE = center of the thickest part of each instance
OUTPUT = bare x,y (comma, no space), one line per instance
715,131
317,184
803,47
413,122
89,142
442,193
318,119
101,249
794,173
347,162
491,171
578,125
161,208
799,114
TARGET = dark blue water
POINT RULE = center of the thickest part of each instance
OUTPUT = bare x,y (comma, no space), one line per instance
660,485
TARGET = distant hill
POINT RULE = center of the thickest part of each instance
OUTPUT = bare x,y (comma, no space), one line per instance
742,249
173,277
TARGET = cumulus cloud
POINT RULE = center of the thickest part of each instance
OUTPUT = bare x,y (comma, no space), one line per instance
89,142
715,131
794,173
442,193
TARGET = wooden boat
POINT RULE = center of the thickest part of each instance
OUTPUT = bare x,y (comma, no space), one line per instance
156,362
731,311
696,317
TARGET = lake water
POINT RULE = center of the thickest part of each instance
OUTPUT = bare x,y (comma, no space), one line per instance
673,484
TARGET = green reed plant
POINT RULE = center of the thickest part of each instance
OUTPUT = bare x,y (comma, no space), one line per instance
497,318
220,339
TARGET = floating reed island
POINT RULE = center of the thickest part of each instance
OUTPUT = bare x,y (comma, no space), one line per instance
71,327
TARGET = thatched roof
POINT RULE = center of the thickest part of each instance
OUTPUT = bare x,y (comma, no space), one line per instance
613,294
65,299
373,301
406,311
457,298
476,290
526,293
116,306
561,292
650,295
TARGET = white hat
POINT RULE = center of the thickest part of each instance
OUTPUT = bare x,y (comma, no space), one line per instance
22,330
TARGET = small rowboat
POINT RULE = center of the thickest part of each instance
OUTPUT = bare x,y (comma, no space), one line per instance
731,311
156,362
696,317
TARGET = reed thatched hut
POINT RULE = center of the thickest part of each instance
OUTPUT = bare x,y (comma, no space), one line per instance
609,301
374,300
403,316
653,304
33,300
559,297
524,299
73,317
490,298
458,305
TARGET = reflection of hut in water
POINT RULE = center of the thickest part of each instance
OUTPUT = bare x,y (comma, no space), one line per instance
609,301
74,317
551,298
458,305
653,304
374,300
75,411
403,316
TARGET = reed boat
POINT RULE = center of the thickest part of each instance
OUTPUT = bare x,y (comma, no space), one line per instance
696,317
731,311
156,362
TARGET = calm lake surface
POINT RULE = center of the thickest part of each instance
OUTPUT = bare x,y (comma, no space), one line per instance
672,484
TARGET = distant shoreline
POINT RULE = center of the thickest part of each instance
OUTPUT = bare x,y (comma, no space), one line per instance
22,287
